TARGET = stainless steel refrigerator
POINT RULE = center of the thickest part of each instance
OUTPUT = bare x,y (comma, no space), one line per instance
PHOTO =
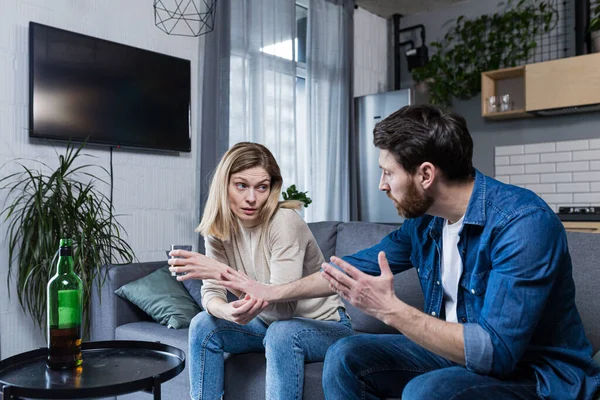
368,202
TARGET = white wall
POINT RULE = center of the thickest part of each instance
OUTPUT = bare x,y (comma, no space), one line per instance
371,69
155,193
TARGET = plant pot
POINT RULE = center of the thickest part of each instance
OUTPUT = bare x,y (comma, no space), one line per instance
595,41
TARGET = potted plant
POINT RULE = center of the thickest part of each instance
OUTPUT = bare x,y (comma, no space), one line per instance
292,193
485,43
595,29
44,205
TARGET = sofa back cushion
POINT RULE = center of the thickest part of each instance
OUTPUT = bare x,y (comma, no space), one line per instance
325,234
355,236
585,251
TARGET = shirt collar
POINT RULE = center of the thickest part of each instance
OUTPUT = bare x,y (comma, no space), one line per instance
475,214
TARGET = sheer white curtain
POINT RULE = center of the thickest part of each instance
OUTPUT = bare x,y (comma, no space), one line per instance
304,121
262,79
329,99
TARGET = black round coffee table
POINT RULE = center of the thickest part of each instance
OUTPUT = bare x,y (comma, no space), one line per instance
109,368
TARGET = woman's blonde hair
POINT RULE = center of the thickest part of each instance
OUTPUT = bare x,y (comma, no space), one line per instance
218,220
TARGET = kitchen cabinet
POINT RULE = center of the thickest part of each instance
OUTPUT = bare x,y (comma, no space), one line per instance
551,87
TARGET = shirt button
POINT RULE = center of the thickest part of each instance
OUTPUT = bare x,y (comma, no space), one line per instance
473,291
433,313
437,283
463,319
418,270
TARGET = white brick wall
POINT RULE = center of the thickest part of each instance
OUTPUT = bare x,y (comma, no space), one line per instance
565,173
154,193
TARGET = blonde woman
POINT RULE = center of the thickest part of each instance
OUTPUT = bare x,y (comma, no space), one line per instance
247,229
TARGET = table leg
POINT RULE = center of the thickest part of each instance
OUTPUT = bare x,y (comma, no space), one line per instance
156,387
7,393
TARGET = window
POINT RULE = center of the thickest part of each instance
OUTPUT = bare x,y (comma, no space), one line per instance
272,82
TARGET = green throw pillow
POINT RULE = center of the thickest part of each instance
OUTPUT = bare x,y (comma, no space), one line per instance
162,297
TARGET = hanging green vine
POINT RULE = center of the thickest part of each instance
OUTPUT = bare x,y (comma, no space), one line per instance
482,44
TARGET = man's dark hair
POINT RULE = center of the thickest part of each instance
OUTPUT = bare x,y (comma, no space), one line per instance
420,133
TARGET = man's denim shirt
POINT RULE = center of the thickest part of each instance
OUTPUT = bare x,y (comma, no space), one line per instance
516,295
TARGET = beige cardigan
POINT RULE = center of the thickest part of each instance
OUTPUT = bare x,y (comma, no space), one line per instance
285,252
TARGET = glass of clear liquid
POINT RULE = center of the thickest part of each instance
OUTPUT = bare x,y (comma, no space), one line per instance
187,247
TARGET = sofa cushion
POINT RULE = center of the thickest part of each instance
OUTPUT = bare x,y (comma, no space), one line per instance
194,288
162,297
355,236
583,248
325,234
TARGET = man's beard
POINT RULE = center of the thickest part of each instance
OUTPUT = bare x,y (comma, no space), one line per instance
413,204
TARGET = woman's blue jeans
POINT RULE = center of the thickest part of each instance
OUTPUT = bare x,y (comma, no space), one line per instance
369,367
287,345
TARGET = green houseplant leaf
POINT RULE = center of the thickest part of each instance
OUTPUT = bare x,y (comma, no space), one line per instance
595,20
44,205
293,194
486,43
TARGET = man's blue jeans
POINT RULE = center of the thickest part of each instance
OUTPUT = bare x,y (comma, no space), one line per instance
287,345
379,366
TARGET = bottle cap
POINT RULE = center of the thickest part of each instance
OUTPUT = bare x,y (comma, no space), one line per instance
66,243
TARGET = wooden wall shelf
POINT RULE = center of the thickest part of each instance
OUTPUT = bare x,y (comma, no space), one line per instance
566,82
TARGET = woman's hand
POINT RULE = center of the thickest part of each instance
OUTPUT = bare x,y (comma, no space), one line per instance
196,266
240,311
238,281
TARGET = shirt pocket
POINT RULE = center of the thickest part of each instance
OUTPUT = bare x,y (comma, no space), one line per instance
423,269
475,284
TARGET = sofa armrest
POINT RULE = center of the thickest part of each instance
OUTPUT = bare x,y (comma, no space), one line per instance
107,310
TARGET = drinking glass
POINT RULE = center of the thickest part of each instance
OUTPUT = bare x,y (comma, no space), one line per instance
187,247
492,105
505,103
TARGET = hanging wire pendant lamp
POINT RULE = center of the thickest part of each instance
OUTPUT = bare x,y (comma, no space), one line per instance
185,17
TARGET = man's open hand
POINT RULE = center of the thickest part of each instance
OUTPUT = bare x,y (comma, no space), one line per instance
373,295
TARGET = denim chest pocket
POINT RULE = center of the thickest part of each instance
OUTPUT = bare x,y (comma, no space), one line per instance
423,269
475,284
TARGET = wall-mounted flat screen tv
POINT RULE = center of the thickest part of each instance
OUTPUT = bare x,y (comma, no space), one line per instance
81,87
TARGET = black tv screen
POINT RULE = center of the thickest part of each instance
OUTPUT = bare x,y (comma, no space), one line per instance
82,87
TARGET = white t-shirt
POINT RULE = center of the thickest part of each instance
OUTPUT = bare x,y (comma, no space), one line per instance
451,268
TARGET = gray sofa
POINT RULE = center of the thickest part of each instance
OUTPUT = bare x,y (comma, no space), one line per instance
115,318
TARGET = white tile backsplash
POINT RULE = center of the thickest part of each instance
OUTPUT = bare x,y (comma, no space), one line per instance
509,150
586,155
587,197
571,145
525,159
558,198
540,148
573,187
586,176
542,187
556,157
521,179
504,160
565,173
563,177
573,166
539,168
510,170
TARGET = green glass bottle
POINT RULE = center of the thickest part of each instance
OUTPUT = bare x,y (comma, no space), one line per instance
64,312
